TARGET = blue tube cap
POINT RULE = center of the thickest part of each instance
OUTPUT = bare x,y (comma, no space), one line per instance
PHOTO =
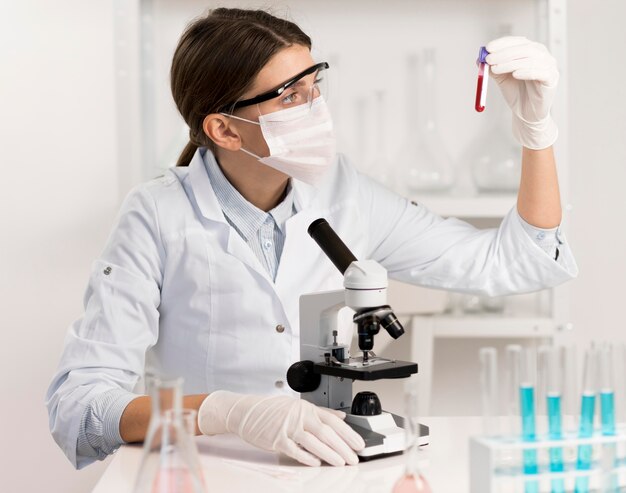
482,55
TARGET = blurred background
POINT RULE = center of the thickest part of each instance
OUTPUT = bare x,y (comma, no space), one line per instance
87,114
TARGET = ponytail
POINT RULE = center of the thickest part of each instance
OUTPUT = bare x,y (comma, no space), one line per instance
185,157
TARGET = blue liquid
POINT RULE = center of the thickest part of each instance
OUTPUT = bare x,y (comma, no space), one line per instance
555,432
607,406
527,407
607,410
585,431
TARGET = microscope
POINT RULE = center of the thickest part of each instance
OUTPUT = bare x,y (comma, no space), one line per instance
326,372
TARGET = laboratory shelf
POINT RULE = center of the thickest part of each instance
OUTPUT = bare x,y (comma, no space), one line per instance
476,206
488,326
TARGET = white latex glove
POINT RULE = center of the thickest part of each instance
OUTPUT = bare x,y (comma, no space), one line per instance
284,424
527,75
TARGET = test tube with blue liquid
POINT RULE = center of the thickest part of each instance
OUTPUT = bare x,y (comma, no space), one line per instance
587,410
527,409
607,393
553,382
607,412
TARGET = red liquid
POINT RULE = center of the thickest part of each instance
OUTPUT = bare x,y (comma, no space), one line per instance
412,484
173,480
479,90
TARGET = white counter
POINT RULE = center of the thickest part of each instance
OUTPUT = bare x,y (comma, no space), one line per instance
232,466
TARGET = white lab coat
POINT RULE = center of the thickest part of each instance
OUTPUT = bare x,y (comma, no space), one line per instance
178,286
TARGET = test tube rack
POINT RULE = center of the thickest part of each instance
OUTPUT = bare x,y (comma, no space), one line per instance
496,463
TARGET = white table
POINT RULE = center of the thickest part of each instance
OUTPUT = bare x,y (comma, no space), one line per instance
232,466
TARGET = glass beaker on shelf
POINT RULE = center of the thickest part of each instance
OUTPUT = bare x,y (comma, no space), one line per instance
473,304
493,304
425,162
170,458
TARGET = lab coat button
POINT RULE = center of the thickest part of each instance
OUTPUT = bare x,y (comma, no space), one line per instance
279,384
280,328
559,236
107,271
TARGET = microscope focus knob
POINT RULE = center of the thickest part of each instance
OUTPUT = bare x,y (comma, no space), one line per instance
366,404
301,377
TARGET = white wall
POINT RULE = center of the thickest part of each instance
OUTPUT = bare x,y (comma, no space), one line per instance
58,198
598,134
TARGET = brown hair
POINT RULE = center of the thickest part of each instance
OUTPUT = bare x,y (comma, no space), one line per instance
217,59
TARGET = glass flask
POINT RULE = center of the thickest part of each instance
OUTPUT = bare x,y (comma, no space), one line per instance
426,165
493,304
495,156
379,166
412,480
170,458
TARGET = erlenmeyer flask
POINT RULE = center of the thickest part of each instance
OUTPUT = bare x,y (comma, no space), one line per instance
424,159
170,458
378,166
411,481
495,157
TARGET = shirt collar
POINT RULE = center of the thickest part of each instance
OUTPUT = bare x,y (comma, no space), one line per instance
285,209
247,217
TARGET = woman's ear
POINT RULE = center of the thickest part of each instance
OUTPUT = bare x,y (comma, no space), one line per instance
221,131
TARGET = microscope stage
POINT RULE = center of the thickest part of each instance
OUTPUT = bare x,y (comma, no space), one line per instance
376,371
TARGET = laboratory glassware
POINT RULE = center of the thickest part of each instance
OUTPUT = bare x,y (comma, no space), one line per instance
460,303
190,420
412,481
493,304
483,80
570,380
471,304
587,410
379,166
607,393
528,380
513,356
169,462
495,157
489,384
607,411
551,376
426,165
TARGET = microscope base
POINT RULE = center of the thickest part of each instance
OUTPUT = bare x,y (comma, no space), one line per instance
383,434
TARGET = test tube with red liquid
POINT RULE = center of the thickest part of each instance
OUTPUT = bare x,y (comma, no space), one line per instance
483,80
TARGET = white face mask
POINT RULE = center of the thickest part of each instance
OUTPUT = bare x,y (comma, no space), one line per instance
300,140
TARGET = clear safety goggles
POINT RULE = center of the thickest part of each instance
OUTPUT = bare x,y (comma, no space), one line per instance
298,92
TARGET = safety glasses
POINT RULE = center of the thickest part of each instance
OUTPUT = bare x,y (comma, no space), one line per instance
301,89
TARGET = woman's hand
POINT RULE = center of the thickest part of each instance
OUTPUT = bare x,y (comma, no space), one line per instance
527,75
289,425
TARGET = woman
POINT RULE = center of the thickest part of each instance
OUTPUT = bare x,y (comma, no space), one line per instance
202,273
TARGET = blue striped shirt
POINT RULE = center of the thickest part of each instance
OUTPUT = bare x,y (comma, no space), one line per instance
264,232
